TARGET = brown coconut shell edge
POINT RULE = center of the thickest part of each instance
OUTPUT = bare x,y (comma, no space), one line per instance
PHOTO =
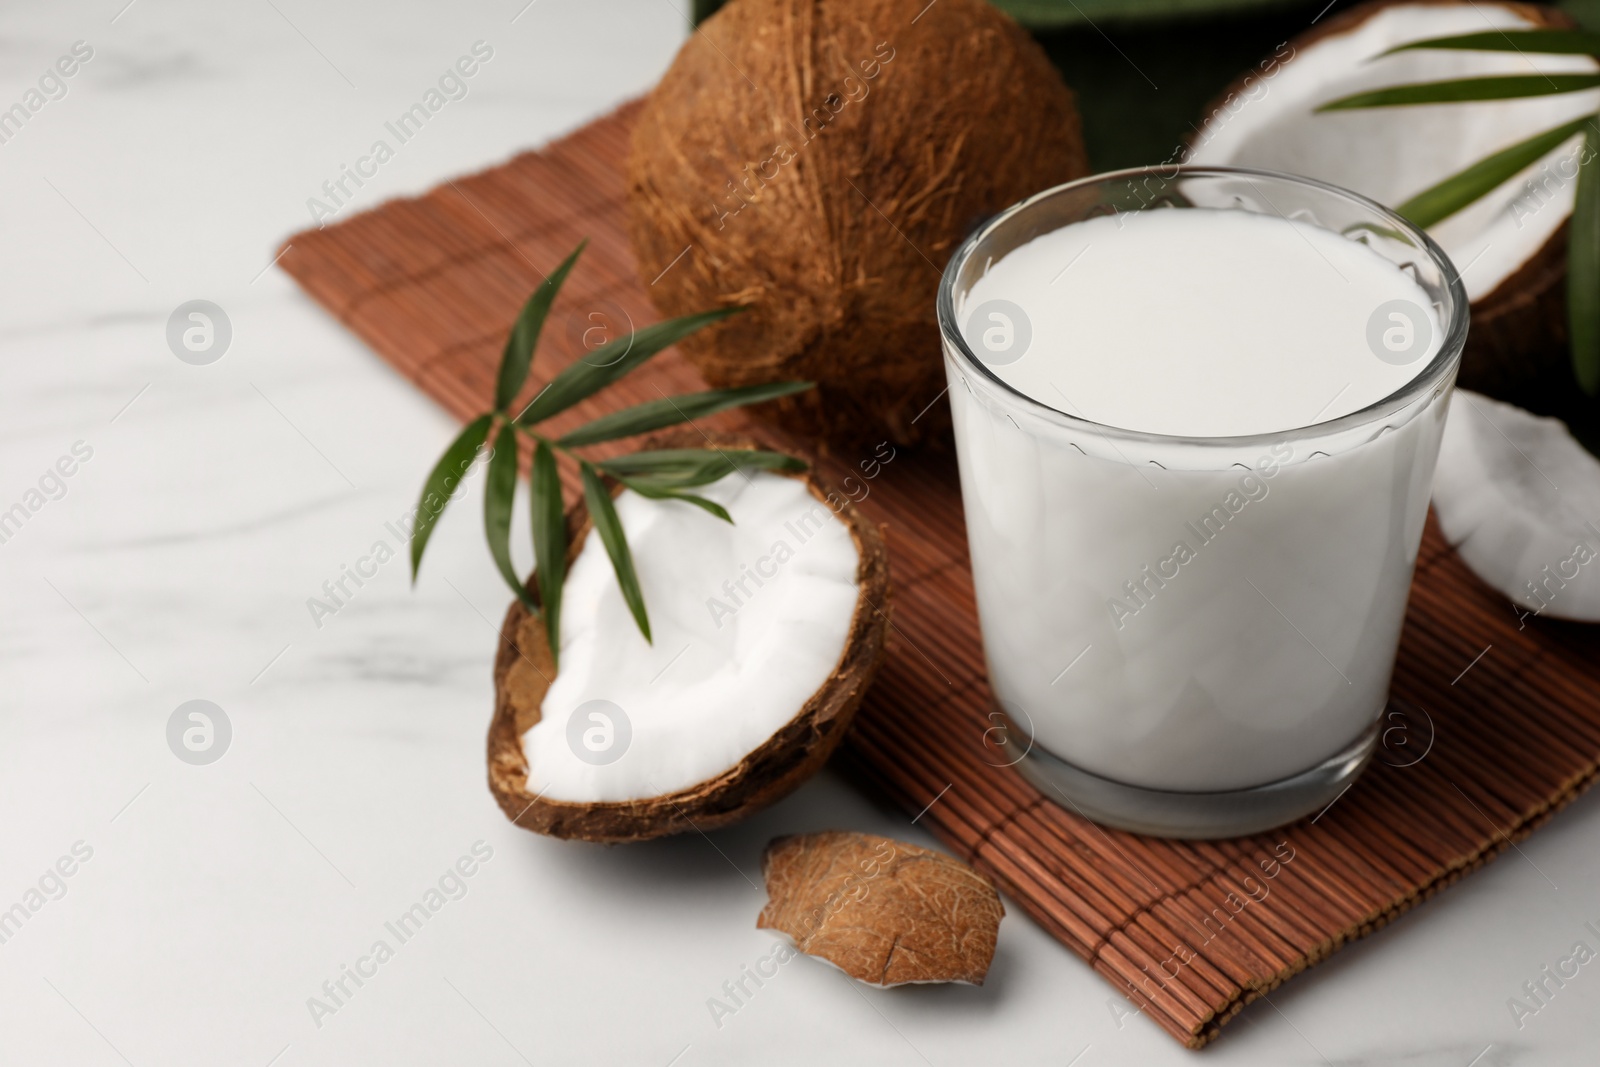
775,769
1517,341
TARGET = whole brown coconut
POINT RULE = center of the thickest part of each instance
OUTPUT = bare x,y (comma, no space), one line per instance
819,161
522,673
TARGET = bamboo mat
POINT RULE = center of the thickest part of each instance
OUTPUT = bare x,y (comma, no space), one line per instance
1189,931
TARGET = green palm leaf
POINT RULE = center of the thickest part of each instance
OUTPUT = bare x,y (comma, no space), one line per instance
655,491
603,512
518,354
1583,269
611,361
668,411
442,482
680,468
499,497
665,474
1466,90
549,542
1440,201
1548,42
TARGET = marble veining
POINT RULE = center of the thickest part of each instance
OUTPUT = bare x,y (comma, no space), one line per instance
178,562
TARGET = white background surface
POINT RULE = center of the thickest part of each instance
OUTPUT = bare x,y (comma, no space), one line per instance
219,498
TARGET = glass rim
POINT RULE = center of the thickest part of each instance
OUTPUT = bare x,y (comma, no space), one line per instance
1442,364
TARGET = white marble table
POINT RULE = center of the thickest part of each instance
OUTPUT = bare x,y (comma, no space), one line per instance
176,560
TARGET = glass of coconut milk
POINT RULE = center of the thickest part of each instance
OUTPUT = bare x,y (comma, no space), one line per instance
1196,414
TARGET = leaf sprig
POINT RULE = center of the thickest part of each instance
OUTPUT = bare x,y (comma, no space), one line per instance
661,474
1456,192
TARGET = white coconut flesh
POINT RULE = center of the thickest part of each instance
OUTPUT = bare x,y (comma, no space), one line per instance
1519,499
1393,153
749,620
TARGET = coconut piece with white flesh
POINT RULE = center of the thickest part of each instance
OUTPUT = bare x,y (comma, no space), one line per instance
1519,498
1510,246
766,633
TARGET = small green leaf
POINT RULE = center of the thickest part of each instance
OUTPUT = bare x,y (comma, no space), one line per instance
655,491
675,466
673,482
603,512
668,411
1463,90
1439,202
549,541
499,497
444,479
1583,268
1556,42
685,467
518,355
611,361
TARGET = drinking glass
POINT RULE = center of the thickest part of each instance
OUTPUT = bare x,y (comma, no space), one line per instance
1249,688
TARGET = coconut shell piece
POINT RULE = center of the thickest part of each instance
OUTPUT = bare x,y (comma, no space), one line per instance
1517,345
818,161
778,766
882,911
1514,494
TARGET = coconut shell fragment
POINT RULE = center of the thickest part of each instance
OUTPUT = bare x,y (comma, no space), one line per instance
884,912
1514,495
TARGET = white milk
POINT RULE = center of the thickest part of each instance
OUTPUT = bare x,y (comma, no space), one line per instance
749,621
1194,615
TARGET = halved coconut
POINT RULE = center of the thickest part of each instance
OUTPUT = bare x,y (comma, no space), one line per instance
1510,246
1519,499
767,634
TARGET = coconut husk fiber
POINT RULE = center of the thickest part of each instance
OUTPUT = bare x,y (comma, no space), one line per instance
818,161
